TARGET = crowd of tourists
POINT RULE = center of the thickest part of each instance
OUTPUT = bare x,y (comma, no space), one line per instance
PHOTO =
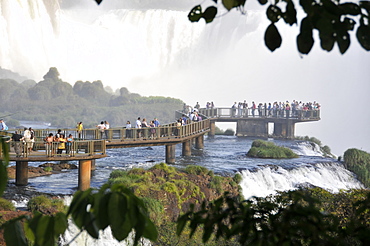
54,144
276,109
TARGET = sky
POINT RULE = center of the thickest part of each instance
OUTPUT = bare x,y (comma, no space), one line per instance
151,48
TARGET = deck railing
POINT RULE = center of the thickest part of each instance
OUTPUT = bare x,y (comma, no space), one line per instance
124,134
41,149
265,113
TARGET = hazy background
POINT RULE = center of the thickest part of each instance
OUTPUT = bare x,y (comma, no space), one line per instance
151,48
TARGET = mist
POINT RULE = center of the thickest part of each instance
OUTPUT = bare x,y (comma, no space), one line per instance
154,50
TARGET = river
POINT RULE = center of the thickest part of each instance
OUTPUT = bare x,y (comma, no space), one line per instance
225,155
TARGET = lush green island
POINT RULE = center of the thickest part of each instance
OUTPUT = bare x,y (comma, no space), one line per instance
264,149
358,161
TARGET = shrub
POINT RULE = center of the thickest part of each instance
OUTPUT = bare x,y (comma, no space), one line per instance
6,205
264,149
198,170
46,205
358,161
48,169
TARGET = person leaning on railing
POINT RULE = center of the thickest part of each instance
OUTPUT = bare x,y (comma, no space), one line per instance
17,138
49,145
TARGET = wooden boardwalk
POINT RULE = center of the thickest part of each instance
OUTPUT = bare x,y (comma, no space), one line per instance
93,143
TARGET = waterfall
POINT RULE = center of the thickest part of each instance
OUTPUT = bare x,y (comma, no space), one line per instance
331,176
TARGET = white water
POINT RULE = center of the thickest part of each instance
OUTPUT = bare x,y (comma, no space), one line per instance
267,181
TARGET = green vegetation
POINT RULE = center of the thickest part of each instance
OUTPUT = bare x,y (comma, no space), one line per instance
46,205
198,170
302,217
358,161
48,169
229,132
264,149
61,104
6,205
328,18
324,149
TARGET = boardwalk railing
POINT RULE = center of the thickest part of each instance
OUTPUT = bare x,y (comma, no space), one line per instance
265,113
122,134
42,149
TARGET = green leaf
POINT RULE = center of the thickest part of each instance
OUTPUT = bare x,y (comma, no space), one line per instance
229,4
60,223
305,42
327,41
14,234
101,210
195,14
343,41
290,15
272,37
350,9
363,36
273,13
262,2
349,23
365,5
210,14
118,215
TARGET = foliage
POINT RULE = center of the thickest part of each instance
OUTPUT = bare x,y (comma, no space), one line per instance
264,149
46,205
6,205
198,170
333,20
48,169
229,132
52,100
358,161
291,218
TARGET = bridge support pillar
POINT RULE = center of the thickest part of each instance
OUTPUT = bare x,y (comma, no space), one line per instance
252,128
170,154
212,128
199,142
21,173
284,130
186,148
93,165
84,174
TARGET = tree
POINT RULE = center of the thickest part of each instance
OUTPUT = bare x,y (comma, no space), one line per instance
333,21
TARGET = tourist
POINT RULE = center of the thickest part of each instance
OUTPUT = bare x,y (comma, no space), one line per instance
61,144
3,126
49,145
27,138
69,144
106,124
156,122
101,128
253,108
197,106
17,138
152,129
79,127
57,135
128,129
138,127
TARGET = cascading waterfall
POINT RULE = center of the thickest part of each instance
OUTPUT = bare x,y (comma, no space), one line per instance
266,181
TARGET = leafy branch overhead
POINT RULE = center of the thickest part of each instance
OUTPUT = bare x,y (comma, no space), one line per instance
333,21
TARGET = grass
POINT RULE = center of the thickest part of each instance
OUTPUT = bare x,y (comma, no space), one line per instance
268,150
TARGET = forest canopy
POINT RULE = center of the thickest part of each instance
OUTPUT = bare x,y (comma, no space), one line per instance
57,102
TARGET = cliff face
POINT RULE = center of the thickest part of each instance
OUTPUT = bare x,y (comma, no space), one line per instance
177,189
